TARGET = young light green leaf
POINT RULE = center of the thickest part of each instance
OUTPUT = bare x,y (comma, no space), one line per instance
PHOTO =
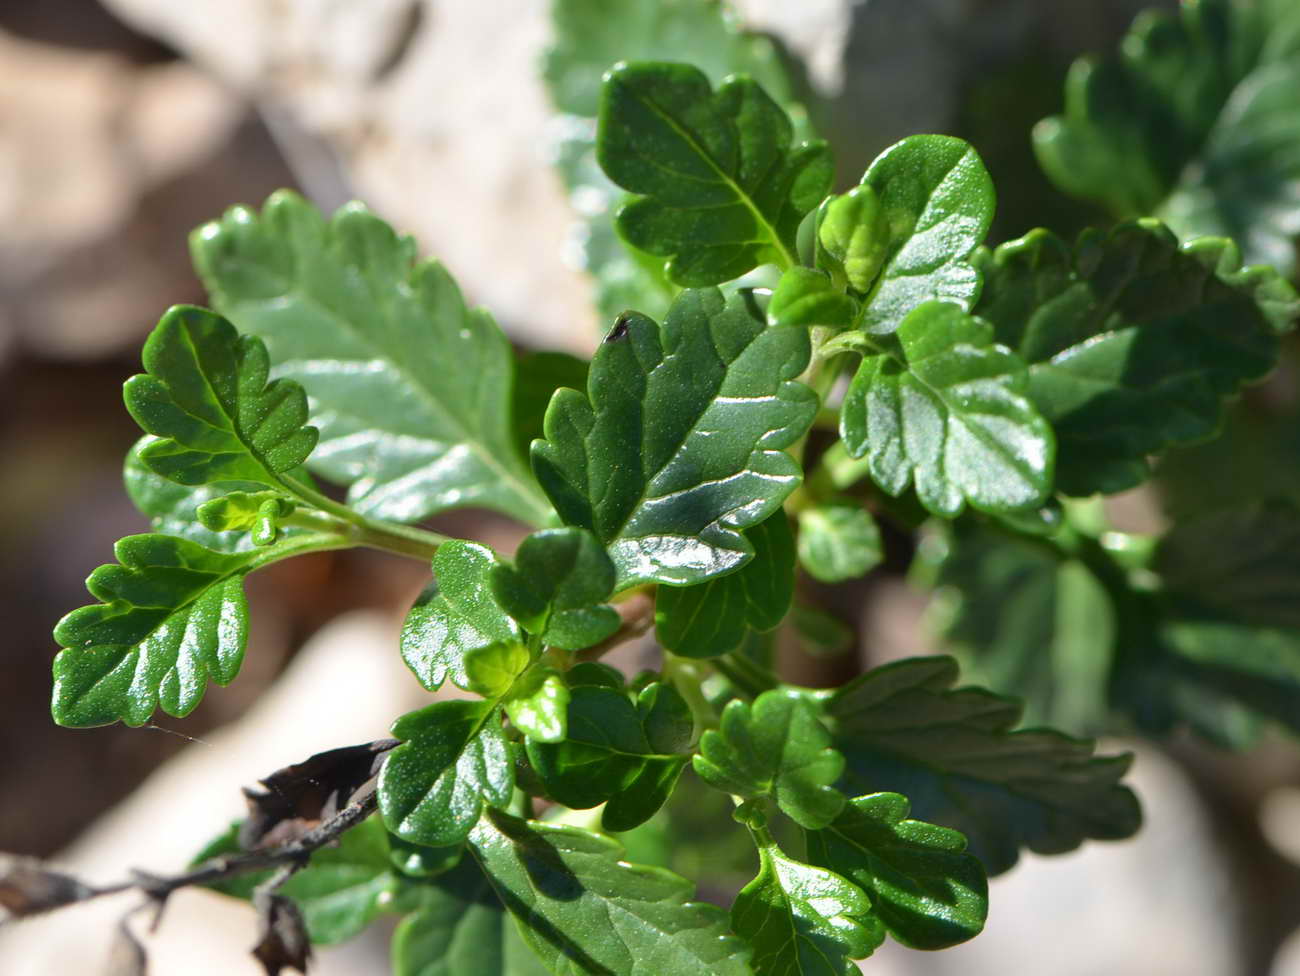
775,748
724,191
461,929
454,615
411,389
679,448
557,586
172,618
258,513
838,541
207,399
853,234
341,891
538,705
1132,341
808,297
804,920
1193,119
713,617
454,761
938,404
491,671
937,200
926,889
902,728
585,910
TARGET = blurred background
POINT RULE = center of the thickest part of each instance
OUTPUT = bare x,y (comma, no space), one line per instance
127,123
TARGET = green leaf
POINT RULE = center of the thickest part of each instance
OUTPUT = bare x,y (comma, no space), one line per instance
537,376
207,399
453,762
804,920
172,617
557,586
462,929
411,389
454,615
1132,341
1241,562
713,617
585,910
669,728
940,405
341,891
775,748
680,447
538,705
853,232
838,541
492,670
258,513
590,36
903,729
807,297
923,885
1194,119
1024,619
603,751
723,190
937,200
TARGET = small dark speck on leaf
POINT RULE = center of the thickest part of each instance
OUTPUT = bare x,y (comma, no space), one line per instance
620,329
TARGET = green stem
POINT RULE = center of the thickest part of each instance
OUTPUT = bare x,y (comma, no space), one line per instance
403,540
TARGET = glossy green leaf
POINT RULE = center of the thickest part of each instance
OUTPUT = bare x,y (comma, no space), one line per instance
172,617
205,395
937,200
713,617
853,230
679,448
537,376
923,885
723,190
838,541
1240,562
491,671
342,890
454,615
903,728
538,705
669,729
807,297
775,748
804,920
410,388
1193,118
666,718
462,929
1026,620
258,513
603,751
941,406
557,587
590,36
453,762
584,909
1132,341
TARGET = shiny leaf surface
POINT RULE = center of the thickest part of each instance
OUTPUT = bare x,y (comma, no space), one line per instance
713,617
584,909
410,388
677,447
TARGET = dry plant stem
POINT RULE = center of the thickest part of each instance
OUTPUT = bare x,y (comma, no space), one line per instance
638,614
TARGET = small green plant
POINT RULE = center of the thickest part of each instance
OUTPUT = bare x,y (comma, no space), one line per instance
728,434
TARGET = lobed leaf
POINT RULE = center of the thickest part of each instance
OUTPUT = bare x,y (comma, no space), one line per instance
838,541
902,728
1132,341
678,445
410,388
1192,119
940,405
205,396
714,617
775,748
722,189
172,617
927,891
804,920
453,763
455,615
585,910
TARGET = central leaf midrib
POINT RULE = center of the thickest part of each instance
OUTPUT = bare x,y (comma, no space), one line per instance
742,195
520,487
